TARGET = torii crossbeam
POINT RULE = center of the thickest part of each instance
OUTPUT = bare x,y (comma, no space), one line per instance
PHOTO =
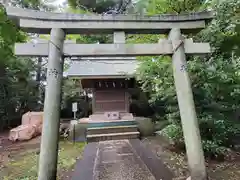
165,47
58,25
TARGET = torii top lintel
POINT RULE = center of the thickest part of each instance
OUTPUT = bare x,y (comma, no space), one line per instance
42,22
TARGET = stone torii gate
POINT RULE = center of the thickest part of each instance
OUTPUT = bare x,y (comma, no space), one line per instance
58,25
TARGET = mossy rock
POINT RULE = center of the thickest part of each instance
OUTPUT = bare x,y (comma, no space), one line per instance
145,125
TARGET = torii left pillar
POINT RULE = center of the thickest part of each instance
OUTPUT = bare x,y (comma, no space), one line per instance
50,132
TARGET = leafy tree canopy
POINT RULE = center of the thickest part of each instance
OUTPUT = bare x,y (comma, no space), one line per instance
100,6
215,78
31,4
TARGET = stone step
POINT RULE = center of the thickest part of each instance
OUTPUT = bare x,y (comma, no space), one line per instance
112,136
112,129
102,123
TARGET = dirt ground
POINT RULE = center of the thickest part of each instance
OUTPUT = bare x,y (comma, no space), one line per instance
19,161
225,170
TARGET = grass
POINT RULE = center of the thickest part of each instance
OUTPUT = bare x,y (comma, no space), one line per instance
24,166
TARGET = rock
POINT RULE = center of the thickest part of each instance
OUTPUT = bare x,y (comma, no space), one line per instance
38,152
189,178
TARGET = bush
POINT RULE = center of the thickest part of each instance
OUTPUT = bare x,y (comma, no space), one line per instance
217,136
174,134
215,84
221,132
213,150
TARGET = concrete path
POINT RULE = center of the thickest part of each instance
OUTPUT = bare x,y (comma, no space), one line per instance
120,160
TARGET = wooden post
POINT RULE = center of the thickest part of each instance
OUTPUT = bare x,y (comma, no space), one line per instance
50,132
189,121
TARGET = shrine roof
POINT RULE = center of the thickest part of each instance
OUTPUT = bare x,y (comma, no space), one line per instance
117,68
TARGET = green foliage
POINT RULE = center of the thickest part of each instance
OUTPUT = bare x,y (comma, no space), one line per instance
213,150
96,7
8,35
72,92
224,32
87,39
174,133
215,79
99,6
217,135
19,91
219,131
31,4
153,7
17,88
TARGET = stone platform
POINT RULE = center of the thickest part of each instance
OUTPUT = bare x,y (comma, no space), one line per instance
78,130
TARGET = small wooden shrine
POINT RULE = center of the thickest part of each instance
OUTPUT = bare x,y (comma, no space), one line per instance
109,80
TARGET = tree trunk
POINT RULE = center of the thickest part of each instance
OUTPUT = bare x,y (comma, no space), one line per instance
38,80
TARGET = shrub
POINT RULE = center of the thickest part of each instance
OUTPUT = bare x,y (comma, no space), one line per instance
174,134
216,136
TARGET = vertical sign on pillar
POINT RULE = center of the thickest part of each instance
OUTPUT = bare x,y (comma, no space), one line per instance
74,109
50,132
187,108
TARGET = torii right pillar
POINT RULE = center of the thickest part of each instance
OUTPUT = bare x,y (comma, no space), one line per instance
188,115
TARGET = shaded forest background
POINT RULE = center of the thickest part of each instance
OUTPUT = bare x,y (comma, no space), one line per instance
215,78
